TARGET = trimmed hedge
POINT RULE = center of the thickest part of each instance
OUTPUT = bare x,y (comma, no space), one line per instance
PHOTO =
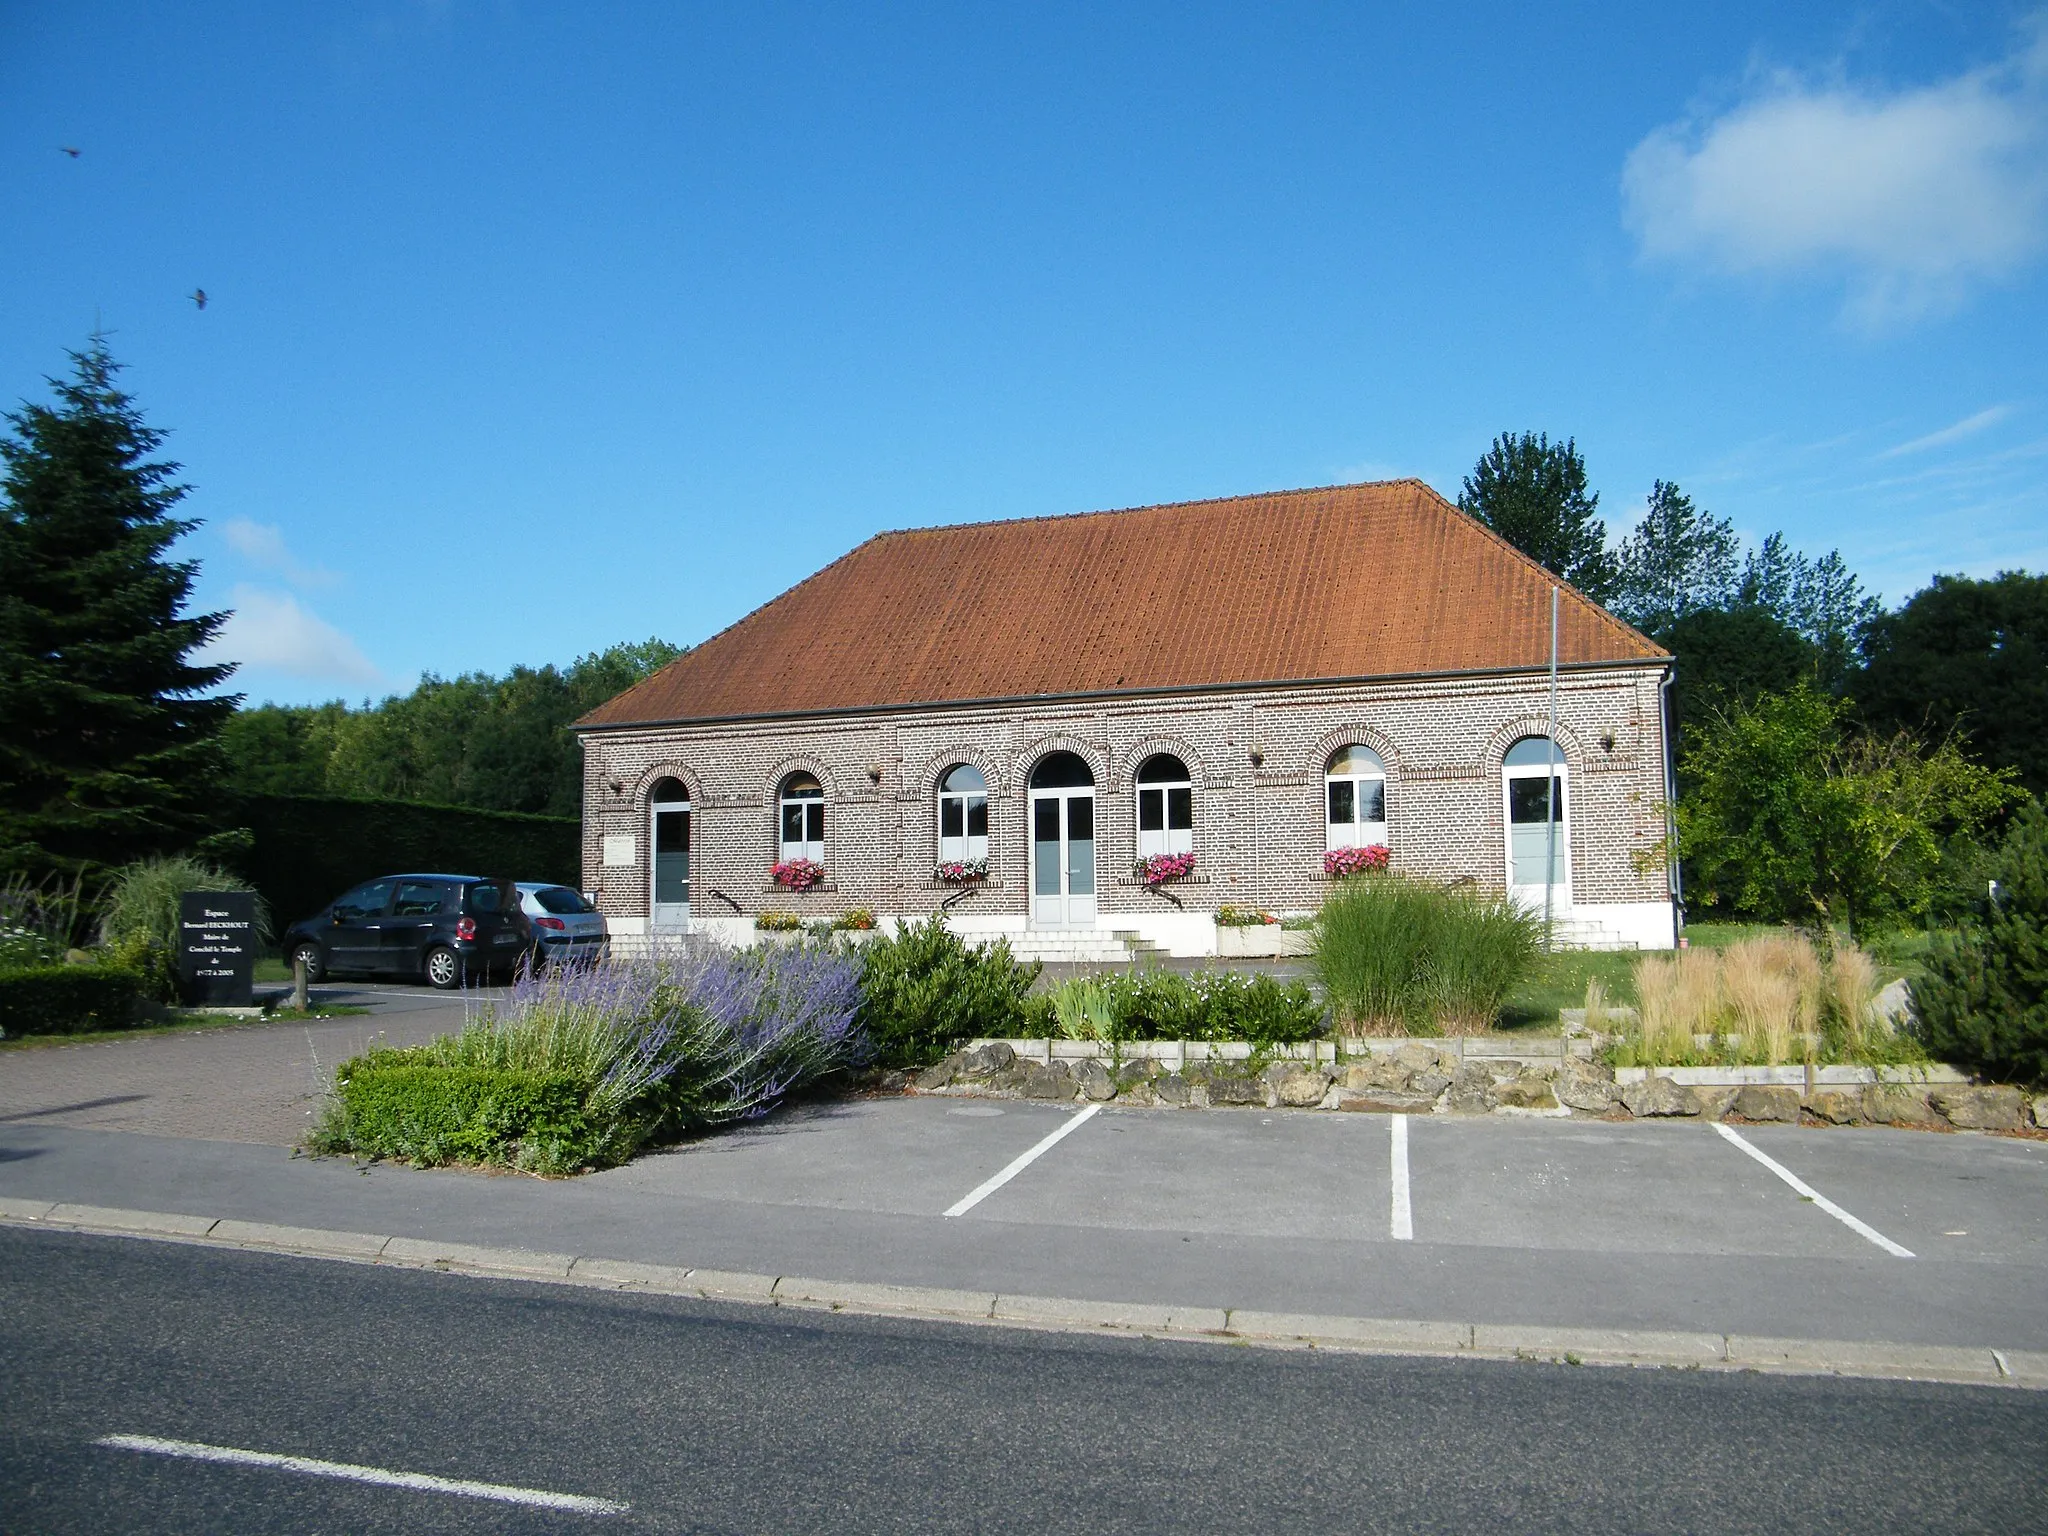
67,999
308,849
394,1104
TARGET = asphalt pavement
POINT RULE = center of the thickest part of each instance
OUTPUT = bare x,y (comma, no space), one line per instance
707,1418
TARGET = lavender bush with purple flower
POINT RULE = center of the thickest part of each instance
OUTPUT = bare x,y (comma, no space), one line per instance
689,1038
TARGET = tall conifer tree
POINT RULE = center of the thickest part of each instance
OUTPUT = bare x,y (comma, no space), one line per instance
1532,492
108,740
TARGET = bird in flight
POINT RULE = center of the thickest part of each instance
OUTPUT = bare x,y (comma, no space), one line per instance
69,150
199,297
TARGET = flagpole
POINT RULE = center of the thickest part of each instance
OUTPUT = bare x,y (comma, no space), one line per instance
1550,783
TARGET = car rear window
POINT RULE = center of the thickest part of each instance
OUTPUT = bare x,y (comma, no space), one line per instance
561,901
486,898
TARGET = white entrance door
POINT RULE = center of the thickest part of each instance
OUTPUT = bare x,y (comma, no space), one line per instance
670,910
1063,858
1539,826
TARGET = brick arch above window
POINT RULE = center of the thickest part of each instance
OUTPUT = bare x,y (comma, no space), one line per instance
1090,753
924,784
800,762
1155,746
1332,742
1506,735
689,778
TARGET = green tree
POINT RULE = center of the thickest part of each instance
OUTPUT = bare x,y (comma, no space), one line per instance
1821,600
501,744
1679,561
1532,492
1793,816
1728,656
1984,999
108,740
1972,657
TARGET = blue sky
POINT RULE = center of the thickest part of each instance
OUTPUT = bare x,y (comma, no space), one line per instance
532,328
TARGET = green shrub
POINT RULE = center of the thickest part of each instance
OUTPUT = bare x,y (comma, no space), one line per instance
141,901
405,1105
923,991
1983,1003
1399,955
39,919
67,999
1166,1005
149,960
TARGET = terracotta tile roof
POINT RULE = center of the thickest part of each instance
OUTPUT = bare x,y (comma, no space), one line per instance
1347,582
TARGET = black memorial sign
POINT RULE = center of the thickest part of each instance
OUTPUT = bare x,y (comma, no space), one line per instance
217,947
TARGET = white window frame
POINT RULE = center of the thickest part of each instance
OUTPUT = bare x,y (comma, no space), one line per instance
812,804
1158,795
968,847
1562,889
1355,833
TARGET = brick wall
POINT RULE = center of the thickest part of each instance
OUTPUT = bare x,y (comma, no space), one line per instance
1258,825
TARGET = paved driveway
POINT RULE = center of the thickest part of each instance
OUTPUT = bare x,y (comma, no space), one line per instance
252,1082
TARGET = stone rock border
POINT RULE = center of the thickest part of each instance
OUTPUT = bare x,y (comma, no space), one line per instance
1441,1077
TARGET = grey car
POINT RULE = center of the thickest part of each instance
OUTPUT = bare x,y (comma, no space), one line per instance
565,925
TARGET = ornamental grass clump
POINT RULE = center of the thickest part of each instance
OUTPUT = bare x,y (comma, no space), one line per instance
1769,1000
585,1064
1397,955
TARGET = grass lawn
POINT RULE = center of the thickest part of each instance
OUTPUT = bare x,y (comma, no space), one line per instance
184,1024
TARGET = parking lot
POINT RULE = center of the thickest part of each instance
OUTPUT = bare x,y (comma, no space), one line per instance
1672,1187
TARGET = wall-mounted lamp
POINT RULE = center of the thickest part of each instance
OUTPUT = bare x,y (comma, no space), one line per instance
874,773
1258,757
618,788
1607,741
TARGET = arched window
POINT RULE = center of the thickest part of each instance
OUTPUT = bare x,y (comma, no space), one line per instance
668,807
1355,799
963,815
803,818
1533,778
1166,806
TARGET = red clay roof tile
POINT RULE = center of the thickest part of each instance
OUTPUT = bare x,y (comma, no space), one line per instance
1350,581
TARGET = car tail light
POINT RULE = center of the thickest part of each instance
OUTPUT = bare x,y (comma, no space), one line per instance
465,927
552,924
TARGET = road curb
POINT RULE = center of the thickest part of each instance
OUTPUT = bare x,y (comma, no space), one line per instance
1969,1366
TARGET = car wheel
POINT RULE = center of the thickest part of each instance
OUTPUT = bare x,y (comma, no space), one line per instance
444,968
308,955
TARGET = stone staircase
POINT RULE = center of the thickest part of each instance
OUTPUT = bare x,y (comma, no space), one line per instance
1083,946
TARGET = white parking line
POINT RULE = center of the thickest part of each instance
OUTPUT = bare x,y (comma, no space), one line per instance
982,1191
1860,1228
535,1498
1402,1223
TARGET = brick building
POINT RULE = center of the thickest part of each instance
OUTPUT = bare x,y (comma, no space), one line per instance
1253,681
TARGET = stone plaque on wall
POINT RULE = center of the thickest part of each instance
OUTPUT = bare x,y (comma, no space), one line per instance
619,850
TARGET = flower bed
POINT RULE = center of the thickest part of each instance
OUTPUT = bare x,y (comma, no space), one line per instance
1339,863
797,874
1228,916
585,1065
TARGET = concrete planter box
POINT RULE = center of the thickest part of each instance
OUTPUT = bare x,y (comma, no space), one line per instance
1268,939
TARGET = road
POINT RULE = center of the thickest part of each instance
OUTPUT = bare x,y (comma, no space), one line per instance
705,1418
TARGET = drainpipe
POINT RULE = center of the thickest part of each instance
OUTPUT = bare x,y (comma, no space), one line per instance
1673,873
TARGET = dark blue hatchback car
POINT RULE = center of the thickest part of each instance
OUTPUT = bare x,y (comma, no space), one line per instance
442,929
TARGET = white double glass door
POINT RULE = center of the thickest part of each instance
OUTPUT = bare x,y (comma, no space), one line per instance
1063,858
670,909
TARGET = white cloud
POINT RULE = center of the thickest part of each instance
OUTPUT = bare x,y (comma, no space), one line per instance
1969,426
1915,196
263,546
271,632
